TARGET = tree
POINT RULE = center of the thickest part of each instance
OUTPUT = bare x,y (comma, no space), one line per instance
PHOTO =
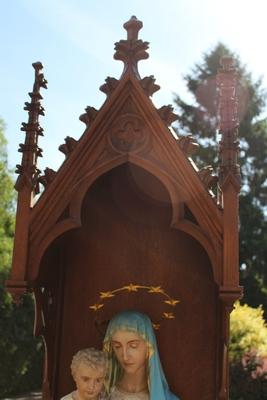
6,207
20,354
248,348
200,119
248,332
243,386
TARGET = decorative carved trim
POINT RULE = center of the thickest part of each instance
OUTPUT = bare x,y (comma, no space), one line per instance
28,177
132,50
89,116
228,121
28,171
32,127
48,177
149,86
128,134
167,115
209,180
188,145
69,145
228,295
109,86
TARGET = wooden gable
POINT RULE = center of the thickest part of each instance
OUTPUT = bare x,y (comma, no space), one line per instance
127,129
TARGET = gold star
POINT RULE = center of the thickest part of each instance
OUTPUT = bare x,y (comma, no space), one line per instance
106,295
156,326
168,315
131,287
172,302
155,289
96,307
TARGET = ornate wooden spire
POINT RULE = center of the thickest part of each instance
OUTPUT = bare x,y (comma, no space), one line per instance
229,186
132,50
28,171
228,122
27,185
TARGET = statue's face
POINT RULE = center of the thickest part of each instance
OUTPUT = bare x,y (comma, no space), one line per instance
89,381
131,351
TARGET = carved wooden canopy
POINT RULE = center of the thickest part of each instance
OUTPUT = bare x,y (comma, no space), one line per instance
128,128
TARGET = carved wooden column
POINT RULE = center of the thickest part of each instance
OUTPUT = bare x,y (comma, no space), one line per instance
27,184
229,187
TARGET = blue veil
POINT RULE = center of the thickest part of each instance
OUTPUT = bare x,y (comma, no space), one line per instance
134,321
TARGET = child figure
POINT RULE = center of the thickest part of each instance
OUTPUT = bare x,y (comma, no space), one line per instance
88,369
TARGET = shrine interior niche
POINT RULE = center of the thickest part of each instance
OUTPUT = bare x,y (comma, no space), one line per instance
130,223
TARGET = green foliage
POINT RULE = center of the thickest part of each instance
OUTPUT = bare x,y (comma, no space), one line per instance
199,118
6,206
20,354
253,252
248,332
248,346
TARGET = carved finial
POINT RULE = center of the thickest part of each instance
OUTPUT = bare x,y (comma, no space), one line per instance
48,177
228,122
149,86
89,116
69,145
132,50
188,145
207,177
167,115
28,171
132,27
109,86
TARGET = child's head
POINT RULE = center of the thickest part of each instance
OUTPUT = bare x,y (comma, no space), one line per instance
88,368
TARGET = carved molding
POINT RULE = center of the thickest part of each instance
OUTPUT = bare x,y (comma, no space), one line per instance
48,177
69,145
109,86
128,134
188,145
228,295
167,115
206,175
89,116
149,86
227,82
28,177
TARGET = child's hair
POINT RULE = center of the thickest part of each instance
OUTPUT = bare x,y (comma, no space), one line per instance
92,357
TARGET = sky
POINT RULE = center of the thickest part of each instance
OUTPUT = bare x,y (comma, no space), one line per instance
74,40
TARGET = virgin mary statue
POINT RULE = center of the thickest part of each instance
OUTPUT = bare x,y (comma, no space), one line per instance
135,371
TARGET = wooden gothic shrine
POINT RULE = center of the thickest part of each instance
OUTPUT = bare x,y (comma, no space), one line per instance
129,222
